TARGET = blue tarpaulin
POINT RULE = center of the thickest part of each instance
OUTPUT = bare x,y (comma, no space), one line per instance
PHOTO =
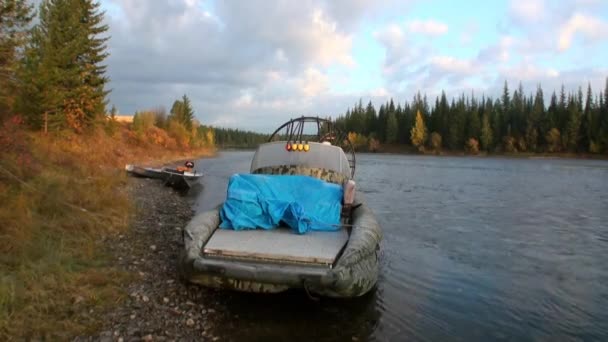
264,201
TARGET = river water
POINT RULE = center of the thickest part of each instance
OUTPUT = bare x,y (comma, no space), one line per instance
474,249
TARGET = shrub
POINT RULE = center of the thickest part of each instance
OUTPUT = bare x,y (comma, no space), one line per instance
508,143
594,147
436,141
553,138
358,140
178,132
472,146
374,145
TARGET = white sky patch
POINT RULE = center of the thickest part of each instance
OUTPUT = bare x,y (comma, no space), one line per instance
454,65
392,35
552,73
500,52
313,82
380,92
528,10
427,27
244,101
280,55
274,76
590,27
528,71
332,45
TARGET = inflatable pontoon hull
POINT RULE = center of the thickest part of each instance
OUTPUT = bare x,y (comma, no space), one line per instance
353,274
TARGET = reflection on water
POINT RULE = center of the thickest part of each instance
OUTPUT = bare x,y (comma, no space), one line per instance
474,249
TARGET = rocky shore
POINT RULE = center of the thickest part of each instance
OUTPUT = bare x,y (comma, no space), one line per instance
158,306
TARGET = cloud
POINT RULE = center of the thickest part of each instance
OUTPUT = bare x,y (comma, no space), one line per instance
450,64
243,59
499,52
527,71
313,83
528,10
253,64
428,27
589,27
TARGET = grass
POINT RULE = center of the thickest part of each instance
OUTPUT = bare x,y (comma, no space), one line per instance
61,197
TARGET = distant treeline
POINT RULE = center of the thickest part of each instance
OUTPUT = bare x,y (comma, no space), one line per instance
234,138
573,122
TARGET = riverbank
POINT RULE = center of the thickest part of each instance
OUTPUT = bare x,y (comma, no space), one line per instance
410,150
62,197
155,305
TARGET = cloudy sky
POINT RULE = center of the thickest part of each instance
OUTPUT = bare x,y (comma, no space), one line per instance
254,64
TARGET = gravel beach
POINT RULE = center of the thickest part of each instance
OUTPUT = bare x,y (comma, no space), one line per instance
159,307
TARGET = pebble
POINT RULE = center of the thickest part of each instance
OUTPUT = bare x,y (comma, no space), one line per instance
169,308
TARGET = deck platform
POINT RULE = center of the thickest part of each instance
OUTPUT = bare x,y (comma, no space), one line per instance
278,245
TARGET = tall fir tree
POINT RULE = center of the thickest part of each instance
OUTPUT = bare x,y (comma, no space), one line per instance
505,112
585,133
63,66
603,131
370,119
182,112
487,137
571,136
15,16
392,128
533,121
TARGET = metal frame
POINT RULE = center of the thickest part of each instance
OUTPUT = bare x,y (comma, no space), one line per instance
327,130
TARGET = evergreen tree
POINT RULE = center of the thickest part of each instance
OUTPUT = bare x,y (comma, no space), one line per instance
585,134
537,114
570,122
570,138
516,111
473,129
444,117
381,127
505,124
391,128
370,119
182,112
187,112
562,113
604,119
486,133
62,66
551,118
15,16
